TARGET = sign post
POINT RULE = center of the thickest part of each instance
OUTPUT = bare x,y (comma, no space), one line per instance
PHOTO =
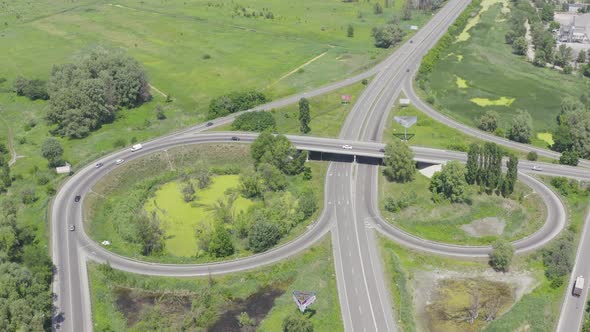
406,122
303,299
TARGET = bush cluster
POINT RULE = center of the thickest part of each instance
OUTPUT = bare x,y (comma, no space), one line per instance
235,102
254,121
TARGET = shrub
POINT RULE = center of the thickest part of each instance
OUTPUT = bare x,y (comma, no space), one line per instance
501,256
254,121
119,143
32,89
531,156
263,236
569,158
235,102
557,258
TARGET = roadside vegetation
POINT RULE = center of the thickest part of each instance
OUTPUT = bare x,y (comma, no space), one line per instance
255,300
488,69
441,294
204,203
472,204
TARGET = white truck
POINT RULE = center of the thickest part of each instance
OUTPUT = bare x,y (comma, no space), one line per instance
136,147
578,286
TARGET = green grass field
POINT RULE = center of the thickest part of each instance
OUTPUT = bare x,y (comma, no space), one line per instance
442,221
313,269
180,218
491,72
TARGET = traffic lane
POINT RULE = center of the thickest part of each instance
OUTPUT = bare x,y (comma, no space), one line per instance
573,307
370,252
353,277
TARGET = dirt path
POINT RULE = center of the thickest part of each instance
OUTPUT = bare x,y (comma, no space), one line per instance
530,52
157,90
296,69
13,155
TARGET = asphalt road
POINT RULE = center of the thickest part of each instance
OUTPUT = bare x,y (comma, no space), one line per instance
341,186
572,309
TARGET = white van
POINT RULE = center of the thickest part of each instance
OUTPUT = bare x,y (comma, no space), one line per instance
136,147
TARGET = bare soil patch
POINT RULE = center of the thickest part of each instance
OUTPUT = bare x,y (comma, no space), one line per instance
490,226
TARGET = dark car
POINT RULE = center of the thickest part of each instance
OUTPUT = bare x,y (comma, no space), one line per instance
77,198
209,124
382,150
99,165
235,138
411,41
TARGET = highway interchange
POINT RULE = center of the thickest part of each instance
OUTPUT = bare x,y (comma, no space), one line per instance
350,209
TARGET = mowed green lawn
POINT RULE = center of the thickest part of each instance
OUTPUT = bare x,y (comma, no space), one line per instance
180,218
490,70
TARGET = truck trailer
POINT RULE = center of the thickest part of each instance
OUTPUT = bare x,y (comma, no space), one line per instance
578,286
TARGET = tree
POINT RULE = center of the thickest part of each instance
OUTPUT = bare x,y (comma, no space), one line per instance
540,59
377,9
569,158
304,116
221,244
350,31
573,132
532,156
297,323
399,162
278,151
388,35
202,175
407,10
307,203
263,236
557,258
251,184
450,183
581,57
501,255
564,55
472,166
509,181
32,89
52,151
272,177
522,126
86,94
519,46
488,121
547,12
151,235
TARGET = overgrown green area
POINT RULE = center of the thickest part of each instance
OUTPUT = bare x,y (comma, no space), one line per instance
413,275
488,71
204,202
130,302
515,217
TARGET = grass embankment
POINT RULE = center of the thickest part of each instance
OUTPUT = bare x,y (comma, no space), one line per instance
518,216
150,184
327,114
493,75
123,301
413,276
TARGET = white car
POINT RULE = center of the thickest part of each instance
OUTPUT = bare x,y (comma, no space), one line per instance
136,147
119,161
347,147
537,168
72,228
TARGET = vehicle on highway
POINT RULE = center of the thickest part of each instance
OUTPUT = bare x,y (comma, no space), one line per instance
119,161
99,165
411,41
209,124
72,228
347,147
235,138
578,286
537,168
77,198
382,150
136,147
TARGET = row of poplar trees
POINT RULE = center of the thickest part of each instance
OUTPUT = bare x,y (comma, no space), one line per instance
484,167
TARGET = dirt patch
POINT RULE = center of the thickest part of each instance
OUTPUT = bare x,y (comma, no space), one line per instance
256,305
489,226
426,284
132,303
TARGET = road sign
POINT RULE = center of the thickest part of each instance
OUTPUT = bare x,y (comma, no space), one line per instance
406,122
303,299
